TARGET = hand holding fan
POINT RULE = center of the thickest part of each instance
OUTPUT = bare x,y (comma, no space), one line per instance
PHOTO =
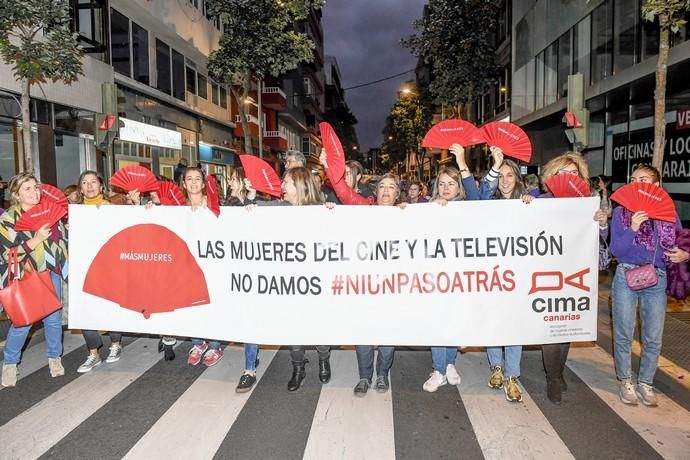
508,137
134,178
54,195
567,186
170,194
43,213
643,196
212,197
335,154
262,176
448,132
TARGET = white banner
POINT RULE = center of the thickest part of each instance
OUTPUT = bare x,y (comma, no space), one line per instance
471,273
142,133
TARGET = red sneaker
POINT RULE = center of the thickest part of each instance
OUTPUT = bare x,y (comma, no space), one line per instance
212,357
196,353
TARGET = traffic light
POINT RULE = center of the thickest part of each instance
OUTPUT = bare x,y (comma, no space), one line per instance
576,118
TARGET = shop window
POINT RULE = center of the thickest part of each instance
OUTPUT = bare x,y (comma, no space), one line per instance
140,54
191,80
563,64
178,71
581,47
119,43
624,33
223,97
202,86
89,22
551,73
602,42
163,66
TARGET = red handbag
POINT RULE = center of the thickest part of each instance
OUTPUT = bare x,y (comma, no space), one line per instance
30,298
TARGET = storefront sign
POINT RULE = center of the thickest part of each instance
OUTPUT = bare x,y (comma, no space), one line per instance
141,133
471,273
683,118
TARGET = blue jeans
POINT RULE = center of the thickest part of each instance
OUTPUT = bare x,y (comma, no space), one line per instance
441,357
365,361
212,344
511,363
52,329
652,303
251,353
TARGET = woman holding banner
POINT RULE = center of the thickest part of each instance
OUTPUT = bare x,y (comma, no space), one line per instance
637,240
451,184
387,194
46,248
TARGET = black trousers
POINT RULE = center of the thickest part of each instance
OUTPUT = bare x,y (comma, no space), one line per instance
554,356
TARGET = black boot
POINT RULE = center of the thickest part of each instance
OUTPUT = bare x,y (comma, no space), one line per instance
553,365
553,390
324,370
298,375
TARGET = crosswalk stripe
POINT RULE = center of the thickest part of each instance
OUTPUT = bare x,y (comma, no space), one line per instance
203,414
666,428
34,358
504,429
54,417
346,426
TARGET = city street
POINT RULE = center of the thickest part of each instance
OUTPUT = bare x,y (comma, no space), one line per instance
144,407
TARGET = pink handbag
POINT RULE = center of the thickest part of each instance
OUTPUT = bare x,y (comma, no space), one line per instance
641,277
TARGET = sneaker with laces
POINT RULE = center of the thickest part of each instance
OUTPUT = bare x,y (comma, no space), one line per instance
382,384
9,375
114,353
55,366
247,381
496,378
212,357
91,362
196,353
512,390
435,380
361,388
452,375
647,395
626,391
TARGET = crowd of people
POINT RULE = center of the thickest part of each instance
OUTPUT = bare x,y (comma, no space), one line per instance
635,240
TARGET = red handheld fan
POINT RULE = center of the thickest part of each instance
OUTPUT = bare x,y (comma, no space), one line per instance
643,196
54,195
45,212
156,272
170,194
567,186
212,197
334,149
262,176
134,178
508,137
446,133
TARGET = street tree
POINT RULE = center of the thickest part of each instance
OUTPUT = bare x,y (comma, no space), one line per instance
456,39
406,125
343,122
258,40
670,14
37,41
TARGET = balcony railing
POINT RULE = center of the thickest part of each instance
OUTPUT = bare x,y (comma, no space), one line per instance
275,134
250,119
274,90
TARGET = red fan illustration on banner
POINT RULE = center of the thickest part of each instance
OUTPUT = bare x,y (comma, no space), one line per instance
212,197
650,198
334,149
567,186
508,137
262,176
446,133
170,194
54,195
134,178
45,212
156,272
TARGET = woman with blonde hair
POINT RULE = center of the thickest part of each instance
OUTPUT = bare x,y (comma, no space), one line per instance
46,250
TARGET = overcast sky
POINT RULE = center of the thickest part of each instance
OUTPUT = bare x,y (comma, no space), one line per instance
364,36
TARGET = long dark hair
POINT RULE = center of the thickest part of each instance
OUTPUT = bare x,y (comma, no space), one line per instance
519,189
184,174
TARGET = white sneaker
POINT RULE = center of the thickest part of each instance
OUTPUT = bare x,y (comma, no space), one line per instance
452,375
9,375
626,391
91,362
55,366
434,381
114,353
647,395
